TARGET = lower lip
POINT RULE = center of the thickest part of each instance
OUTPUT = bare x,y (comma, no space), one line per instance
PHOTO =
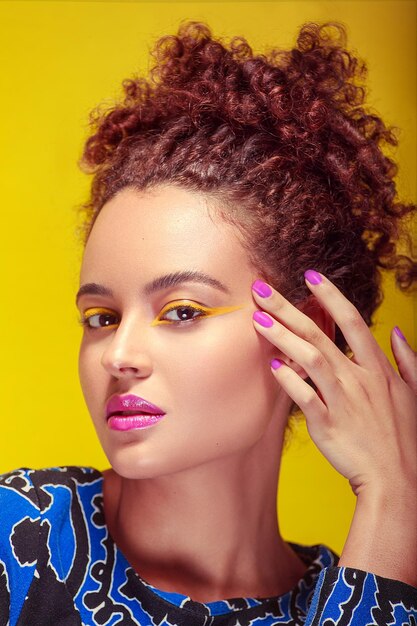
132,422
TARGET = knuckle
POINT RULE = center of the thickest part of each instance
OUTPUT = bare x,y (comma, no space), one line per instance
309,398
315,359
313,334
381,380
353,321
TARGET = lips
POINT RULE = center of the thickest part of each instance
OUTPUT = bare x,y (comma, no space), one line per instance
131,405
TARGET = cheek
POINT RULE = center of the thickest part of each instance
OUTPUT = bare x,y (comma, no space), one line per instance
223,371
89,373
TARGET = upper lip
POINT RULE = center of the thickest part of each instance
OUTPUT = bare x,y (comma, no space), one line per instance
131,404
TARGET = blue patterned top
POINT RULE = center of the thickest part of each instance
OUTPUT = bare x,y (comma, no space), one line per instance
59,566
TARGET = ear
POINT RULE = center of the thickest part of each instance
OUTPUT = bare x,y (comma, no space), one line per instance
322,318
312,308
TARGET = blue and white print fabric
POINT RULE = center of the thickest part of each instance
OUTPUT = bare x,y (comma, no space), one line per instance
59,566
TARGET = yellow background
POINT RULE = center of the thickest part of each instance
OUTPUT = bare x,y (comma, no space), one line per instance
59,60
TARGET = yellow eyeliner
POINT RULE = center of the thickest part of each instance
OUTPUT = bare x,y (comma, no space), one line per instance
208,312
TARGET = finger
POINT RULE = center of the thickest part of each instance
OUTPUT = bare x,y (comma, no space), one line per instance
405,358
301,392
347,317
299,323
310,358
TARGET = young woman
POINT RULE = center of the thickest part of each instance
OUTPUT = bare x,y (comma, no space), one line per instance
241,211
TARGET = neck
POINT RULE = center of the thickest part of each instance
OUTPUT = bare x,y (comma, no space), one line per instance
210,532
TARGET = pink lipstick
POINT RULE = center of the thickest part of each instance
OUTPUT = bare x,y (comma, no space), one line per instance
129,412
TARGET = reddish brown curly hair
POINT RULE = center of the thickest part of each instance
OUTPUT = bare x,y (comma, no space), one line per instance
281,142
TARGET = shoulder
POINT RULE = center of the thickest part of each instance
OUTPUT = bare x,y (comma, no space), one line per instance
26,491
335,594
24,480
341,593
28,495
35,505
30,498
345,592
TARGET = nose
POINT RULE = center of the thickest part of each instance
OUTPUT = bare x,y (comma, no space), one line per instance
125,356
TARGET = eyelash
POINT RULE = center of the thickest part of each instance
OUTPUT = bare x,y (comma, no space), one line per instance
84,321
174,307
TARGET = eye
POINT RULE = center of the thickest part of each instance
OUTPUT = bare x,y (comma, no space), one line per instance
180,313
99,318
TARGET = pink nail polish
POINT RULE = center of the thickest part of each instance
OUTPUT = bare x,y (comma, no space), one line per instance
398,332
262,289
276,363
313,277
263,319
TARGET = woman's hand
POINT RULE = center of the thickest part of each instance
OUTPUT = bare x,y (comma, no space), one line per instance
363,418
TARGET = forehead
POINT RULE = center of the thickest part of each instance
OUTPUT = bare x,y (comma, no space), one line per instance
163,229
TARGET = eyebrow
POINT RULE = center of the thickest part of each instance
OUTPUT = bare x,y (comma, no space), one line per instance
162,282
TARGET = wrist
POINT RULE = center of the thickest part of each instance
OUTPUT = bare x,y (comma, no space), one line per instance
388,492
382,535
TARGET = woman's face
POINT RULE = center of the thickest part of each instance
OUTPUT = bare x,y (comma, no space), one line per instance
211,376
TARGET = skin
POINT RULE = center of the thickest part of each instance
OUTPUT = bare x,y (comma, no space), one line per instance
364,422
211,465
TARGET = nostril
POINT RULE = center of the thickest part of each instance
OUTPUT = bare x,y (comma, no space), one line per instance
128,369
134,366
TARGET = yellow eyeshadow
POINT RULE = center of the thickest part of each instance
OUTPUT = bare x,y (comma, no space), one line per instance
208,312
97,311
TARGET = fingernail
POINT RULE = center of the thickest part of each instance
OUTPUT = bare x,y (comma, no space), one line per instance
263,319
398,332
275,364
313,277
261,288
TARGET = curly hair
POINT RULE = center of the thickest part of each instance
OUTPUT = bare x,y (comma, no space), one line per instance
281,142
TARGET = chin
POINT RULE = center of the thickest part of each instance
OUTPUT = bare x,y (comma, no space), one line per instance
137,461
